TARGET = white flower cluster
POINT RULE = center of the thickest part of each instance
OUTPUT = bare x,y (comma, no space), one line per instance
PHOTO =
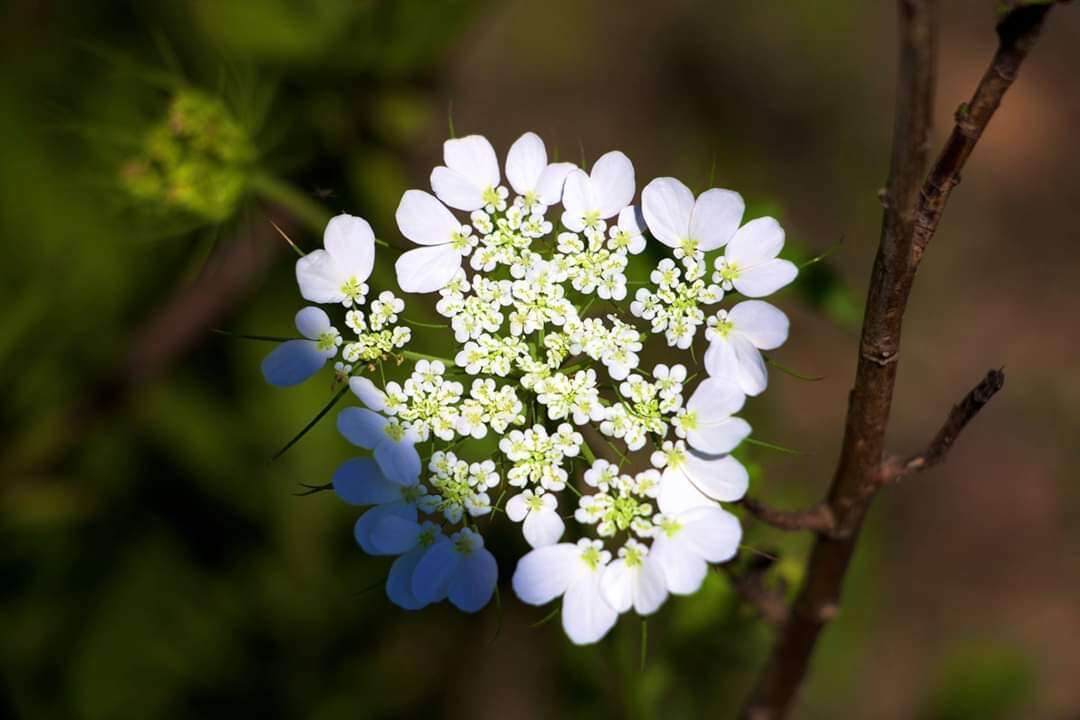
549,342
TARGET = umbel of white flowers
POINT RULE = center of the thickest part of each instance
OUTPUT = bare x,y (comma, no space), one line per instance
522,289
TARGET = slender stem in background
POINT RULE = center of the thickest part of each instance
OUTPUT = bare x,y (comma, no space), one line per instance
298,204
913,208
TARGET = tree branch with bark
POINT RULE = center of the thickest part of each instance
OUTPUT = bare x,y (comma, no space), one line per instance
913,201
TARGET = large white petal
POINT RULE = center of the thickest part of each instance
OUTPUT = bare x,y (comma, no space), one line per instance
456,190
516,508
435,571
650,587
617,585
720,361
394,535
312,322
765,278
715,398
474,157
351,243
320,277
684,570
427,269
720,437
715,218
367,523
399,581
545,573
667,205
711,532
613,182
424,220
399,461
720,477
550,186
367,393
362,427
525,162
678,494
474,583
577,195
542,528
761,323
292,362
756,242
359,481
586,616
752,375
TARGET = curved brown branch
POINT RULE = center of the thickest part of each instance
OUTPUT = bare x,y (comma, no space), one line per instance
894,470
913,209
818,518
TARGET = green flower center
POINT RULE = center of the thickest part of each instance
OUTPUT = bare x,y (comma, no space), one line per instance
327,341
633,557
729,272
395,430
623,511
591,557
724,327
354,290
535,503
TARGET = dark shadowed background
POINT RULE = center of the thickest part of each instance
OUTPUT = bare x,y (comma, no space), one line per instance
155,564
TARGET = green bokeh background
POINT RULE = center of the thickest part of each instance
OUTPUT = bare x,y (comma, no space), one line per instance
156,564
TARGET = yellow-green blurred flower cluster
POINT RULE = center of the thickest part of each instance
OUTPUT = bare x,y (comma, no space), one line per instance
195,160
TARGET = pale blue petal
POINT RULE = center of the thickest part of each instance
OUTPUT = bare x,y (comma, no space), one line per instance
362,427
312,322
431,581
369,520
399,461
360,482
292,362
399,581
474,582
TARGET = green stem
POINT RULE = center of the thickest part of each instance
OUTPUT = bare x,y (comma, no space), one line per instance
308,212
413,355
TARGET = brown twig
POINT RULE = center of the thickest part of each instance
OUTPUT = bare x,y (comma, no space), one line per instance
818,518
894,470
913,209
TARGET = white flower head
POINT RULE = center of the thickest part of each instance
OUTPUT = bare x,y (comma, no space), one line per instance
539,514
707,423
572,572
690,227
338,273
591,199
294,361
736,339
470,178
529,174
750,264
425,221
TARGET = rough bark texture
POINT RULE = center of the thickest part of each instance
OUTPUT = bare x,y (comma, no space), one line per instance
913,208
